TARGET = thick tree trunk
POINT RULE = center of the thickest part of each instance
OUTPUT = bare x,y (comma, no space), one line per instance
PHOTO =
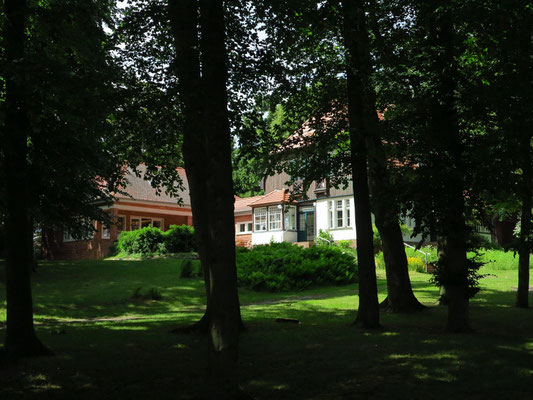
21,339
522,298
363,122
400,298
224,307
207,155
445,123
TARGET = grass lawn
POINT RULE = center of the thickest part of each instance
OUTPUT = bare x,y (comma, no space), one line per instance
109,344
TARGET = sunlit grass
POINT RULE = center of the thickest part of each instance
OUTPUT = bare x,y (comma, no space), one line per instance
109,345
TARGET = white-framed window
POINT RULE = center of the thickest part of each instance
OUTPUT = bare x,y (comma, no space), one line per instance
244,228
347,211
143,222
331,222
339,214
260,219
106,231
290,219
274,218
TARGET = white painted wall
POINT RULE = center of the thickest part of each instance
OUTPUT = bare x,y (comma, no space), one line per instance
321,220
275,236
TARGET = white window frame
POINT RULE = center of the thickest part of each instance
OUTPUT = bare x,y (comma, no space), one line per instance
248,227
340,210
275,218
290,218
152,219
260,219
106,231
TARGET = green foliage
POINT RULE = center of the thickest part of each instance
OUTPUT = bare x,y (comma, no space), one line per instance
345,244
326,236
141,241
376,239
443,275
179,239
283,266
149,241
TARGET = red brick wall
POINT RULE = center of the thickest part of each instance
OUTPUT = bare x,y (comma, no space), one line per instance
54,247
243,240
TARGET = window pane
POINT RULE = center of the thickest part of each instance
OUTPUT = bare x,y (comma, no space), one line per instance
135,222
339,219
348,221
249,227
120,223
260,219
339,204
156,224
274,218
145,222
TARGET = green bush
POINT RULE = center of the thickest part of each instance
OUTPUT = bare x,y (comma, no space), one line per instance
179,239
149,241
282,266
141,241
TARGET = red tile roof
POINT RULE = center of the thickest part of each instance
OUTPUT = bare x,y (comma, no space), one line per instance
280,196
242,204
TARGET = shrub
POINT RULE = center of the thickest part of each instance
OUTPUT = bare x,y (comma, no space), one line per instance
283,266
179,239
416,264
326,236
141,241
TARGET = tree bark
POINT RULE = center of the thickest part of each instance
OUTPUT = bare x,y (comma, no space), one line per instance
522,298
446,131
21,339
400,296
363,122
202,73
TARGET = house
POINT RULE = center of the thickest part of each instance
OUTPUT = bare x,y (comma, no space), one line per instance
138,207
276,217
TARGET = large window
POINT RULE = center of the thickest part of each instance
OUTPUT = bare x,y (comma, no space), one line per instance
106,231
339,214
260,218
290,219
143,222
274,218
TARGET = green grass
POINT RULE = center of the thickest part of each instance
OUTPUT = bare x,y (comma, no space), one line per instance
323,357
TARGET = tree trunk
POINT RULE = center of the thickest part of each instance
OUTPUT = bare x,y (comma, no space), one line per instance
363,122
445,124
207,155
522,298
400,298
21,339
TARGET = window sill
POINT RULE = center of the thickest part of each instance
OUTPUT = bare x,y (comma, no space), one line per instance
244,233
346,228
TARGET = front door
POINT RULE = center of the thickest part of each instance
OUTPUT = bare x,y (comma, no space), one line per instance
306,226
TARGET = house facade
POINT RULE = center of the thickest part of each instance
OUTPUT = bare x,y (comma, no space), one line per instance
275,217
138,207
